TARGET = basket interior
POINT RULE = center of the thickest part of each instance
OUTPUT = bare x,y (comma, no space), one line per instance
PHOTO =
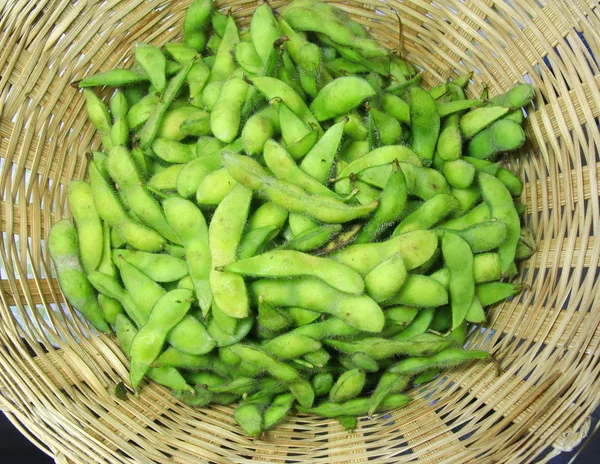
57,376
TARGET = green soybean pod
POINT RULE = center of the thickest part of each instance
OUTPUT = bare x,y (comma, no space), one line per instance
414,247
152,125
396,107
492,292
64,250
510,181
141,111
166,180
289,263
447,358
480,213
502,136
225,115
291,345
254,241
109,286
322,383
224,62
147,344
319,160
89,225
250,173
386,279
356,406
106,263
459,260
419,325
191,175
172,151
432,211
378,157
167,376
312,238
359,311
347,386
225,232
388,382
154,64
123,170
424,123
278,410
259,128
249,416
340,97
214,187
182,121
392,202
264,30
111,308
501,205
467,199
459,173
420,291
98,115
478,119
114,78
272,88
484,236
517,96
110,210
190,226
332,327
196,19
160,267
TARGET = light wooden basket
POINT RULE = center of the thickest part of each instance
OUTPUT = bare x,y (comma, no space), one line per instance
57,380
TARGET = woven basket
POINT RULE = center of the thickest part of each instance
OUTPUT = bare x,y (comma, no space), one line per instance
57,381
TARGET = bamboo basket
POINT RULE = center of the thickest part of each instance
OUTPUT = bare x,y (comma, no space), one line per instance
57,378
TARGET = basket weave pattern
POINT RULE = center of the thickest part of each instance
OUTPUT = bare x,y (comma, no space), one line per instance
57,381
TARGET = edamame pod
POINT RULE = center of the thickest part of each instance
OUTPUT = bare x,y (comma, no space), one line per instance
288,263
173,152
478,119
386,279
123,170
89,226
160,267
459,260
340,97
420,291
110,210
249,173
503,135
378,157
64,250
424,123
283,166
391,205
154,64
225,232
427,214
415,248
225,115
190,226
167,376
502,208
147,344
259,128
291,345
359,311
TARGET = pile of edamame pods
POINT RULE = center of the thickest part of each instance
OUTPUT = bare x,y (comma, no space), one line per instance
284,218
